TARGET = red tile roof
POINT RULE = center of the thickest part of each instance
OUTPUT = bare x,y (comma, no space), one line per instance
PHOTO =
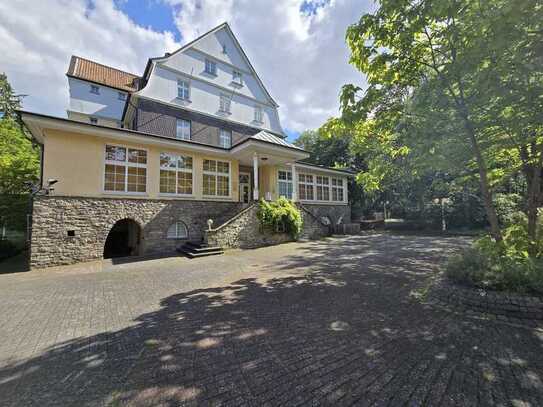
94,72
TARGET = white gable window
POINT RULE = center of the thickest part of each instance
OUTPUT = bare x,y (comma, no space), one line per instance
95,89
305,187
121,96
284,184
224,104
211,67
237,78
183,130
225,138
258,114
183,89
337,189
178,231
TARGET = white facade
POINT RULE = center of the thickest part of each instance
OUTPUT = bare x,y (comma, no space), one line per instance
106,106
249,100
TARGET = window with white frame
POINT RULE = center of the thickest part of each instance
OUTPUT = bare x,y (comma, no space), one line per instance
178,231
225,138
121,96
183,129
258,114
337,189
305,187
323,188
237,78
93,120
210,67
216,178
284,183
125,169
224,103
175,174
95,89
183,89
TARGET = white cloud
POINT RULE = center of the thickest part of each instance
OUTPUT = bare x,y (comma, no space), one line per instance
301,56
37,39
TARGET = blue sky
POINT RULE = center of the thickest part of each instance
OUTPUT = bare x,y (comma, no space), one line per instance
296,46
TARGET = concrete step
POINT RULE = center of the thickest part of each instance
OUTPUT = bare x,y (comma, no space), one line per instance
195,250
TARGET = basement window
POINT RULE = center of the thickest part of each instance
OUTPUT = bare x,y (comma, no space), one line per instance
71,233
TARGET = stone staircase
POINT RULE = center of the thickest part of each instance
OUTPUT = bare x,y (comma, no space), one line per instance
195,250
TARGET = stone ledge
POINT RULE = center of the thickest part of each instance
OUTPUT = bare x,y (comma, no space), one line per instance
504,305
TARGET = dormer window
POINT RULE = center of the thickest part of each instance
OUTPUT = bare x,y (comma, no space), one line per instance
258,114
121,96
183,89
225,138
211,67
237,78
95,89
224,104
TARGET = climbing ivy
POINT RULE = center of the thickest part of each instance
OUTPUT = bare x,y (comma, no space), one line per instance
281,214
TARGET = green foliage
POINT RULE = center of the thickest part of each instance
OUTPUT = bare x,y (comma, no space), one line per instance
281,214
9,101
19,158
484,268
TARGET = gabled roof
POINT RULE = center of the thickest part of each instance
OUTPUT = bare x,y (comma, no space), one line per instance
193,42
270,138
91,71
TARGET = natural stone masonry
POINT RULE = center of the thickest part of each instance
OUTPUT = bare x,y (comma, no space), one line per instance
91,219
506,306
245,231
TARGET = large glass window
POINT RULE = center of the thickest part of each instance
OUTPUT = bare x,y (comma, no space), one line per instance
225,138
323,188
284,180
337,189
183,129
183,89
305,187
175,174
125,169
216,178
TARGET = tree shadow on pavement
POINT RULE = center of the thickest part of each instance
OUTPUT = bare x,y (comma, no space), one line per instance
341,330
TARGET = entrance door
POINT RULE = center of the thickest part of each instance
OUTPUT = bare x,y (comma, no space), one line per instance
123,240
244,187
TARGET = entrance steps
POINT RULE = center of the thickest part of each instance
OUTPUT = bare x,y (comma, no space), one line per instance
195,250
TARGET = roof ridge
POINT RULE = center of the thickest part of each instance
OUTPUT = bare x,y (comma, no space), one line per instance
105,66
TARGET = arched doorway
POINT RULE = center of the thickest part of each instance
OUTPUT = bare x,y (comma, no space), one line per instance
123,240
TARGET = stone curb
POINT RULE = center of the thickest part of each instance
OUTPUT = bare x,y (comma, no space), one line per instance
501,304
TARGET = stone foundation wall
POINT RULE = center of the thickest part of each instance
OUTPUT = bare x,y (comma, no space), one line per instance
245,231
91,219
333,212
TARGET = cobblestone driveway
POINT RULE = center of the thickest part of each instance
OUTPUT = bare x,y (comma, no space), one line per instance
333,322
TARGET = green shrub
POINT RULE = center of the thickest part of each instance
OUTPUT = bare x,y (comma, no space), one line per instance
499,267
281,214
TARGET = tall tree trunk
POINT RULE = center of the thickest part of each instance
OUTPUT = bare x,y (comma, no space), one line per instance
532,167
490,210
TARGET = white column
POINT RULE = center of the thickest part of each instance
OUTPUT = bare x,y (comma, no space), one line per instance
294,182
255,176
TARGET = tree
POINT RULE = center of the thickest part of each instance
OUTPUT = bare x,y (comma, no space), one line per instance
9,101
19,161
454,53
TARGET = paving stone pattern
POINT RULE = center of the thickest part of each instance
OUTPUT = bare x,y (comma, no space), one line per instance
333,322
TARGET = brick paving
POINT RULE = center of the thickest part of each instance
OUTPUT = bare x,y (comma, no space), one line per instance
335,322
